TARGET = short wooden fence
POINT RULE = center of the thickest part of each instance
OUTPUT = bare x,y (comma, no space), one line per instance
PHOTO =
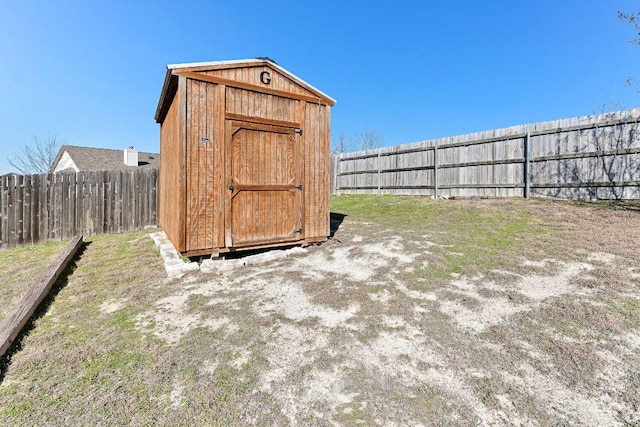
594,157
59,206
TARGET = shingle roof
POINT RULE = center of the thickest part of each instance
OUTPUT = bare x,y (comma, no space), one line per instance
97,159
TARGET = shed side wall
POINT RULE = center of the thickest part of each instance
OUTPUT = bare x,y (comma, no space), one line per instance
170,211
316,172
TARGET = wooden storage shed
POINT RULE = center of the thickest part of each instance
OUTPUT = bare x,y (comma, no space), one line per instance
244,157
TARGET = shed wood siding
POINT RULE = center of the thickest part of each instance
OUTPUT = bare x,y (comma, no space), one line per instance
251,75
171,191
252,153
252,104
203,203
316,174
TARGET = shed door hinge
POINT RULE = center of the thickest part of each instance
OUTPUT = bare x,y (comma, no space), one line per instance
299,131
298,231
298,187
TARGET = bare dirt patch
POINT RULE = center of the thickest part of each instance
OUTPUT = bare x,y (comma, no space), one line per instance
394,342
472,312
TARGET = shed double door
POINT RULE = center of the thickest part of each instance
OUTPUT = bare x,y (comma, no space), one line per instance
264,184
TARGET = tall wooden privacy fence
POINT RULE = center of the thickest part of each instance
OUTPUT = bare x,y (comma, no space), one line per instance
58,206
593,157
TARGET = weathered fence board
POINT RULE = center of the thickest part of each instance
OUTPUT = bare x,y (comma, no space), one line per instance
593,157
58,206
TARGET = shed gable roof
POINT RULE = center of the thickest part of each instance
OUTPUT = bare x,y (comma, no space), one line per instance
98,159
280,80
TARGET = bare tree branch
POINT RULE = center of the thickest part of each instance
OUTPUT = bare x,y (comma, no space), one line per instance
37,157
342,144
368,139
634,20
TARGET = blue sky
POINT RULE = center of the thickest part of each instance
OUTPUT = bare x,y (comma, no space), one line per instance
90,72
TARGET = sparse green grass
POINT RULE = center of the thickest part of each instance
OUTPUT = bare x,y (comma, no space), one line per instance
483,234
20,267
95,354
73,348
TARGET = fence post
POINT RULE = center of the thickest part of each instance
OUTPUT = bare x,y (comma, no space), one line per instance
4,209
336,186
527,159
435,171
379,170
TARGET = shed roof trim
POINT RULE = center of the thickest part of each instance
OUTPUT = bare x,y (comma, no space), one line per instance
249,61
231,63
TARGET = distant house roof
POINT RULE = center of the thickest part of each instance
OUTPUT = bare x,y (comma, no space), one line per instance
74,158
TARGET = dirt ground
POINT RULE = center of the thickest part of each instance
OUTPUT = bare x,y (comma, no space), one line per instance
356,332
417,312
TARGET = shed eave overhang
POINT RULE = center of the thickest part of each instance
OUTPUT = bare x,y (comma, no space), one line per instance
168,91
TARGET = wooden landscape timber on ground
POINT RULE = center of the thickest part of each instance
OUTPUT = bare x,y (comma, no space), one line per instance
244,157
11,326
594,157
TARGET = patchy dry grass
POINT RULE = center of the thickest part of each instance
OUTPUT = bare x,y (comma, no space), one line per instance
20,267
418,312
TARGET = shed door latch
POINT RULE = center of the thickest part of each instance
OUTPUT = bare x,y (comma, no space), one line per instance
299,131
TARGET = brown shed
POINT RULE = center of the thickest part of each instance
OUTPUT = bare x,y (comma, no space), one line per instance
244,157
